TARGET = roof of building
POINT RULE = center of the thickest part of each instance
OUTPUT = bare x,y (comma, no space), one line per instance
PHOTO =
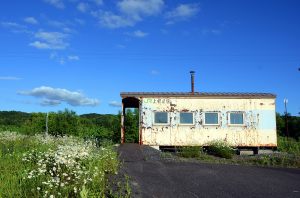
198,94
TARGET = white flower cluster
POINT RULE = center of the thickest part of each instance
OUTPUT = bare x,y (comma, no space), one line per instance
65,167
11,136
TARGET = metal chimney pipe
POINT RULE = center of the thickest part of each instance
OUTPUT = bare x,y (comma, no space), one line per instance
192,81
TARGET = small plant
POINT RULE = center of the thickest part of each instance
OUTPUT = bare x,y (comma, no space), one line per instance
166,155
190,151
127,187
220,149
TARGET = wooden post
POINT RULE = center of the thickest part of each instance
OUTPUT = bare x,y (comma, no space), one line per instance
47,115
122,125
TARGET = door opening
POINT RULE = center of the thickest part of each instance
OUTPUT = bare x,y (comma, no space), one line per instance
130,127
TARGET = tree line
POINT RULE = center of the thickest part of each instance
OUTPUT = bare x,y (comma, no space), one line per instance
67,122
102,126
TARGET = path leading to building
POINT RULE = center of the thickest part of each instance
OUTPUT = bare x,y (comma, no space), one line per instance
152,176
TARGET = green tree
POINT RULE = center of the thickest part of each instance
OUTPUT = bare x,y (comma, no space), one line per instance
131,125
63,123
280,124
35,124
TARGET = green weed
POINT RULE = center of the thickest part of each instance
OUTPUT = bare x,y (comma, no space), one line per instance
220,149
289,145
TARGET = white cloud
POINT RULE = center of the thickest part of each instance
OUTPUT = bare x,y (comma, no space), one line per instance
83,7
182,12
56,3
138,8
61,61
15,27
67,30
9,78
130,13
79,21
50,40
154,72
47,102
31,20
40,45
73,58
120,46
8,24
139,34
111,20
56,24
63,26
53,55
98,2
115,104
55,96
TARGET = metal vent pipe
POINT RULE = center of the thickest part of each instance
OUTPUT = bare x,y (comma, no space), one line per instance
192,81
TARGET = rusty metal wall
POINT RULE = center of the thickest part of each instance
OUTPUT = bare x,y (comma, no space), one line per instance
259,128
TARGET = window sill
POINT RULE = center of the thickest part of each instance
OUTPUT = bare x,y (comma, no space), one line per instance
192,124
237,125
211,125
161,124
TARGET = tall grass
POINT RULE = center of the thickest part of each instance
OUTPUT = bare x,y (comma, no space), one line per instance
221,149
37,166
190,151
289,145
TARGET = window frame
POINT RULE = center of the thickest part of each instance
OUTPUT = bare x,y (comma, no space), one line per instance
187,124
204,120
240,112
168,120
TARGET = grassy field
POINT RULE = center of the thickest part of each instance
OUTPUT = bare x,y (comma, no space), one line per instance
46,166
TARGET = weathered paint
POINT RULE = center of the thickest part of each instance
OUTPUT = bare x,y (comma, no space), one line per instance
259,129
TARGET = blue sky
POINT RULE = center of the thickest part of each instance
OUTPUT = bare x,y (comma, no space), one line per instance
76,54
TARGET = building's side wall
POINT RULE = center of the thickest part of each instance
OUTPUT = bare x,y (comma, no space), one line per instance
259,129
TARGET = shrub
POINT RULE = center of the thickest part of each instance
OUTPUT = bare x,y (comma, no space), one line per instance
190,151
220,149
289,145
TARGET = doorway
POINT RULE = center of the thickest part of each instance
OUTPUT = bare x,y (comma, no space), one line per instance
130,127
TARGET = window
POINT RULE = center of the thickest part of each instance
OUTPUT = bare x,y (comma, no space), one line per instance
236,118
186,118
161,118
211,118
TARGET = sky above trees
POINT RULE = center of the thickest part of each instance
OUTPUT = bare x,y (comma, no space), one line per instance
80,54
